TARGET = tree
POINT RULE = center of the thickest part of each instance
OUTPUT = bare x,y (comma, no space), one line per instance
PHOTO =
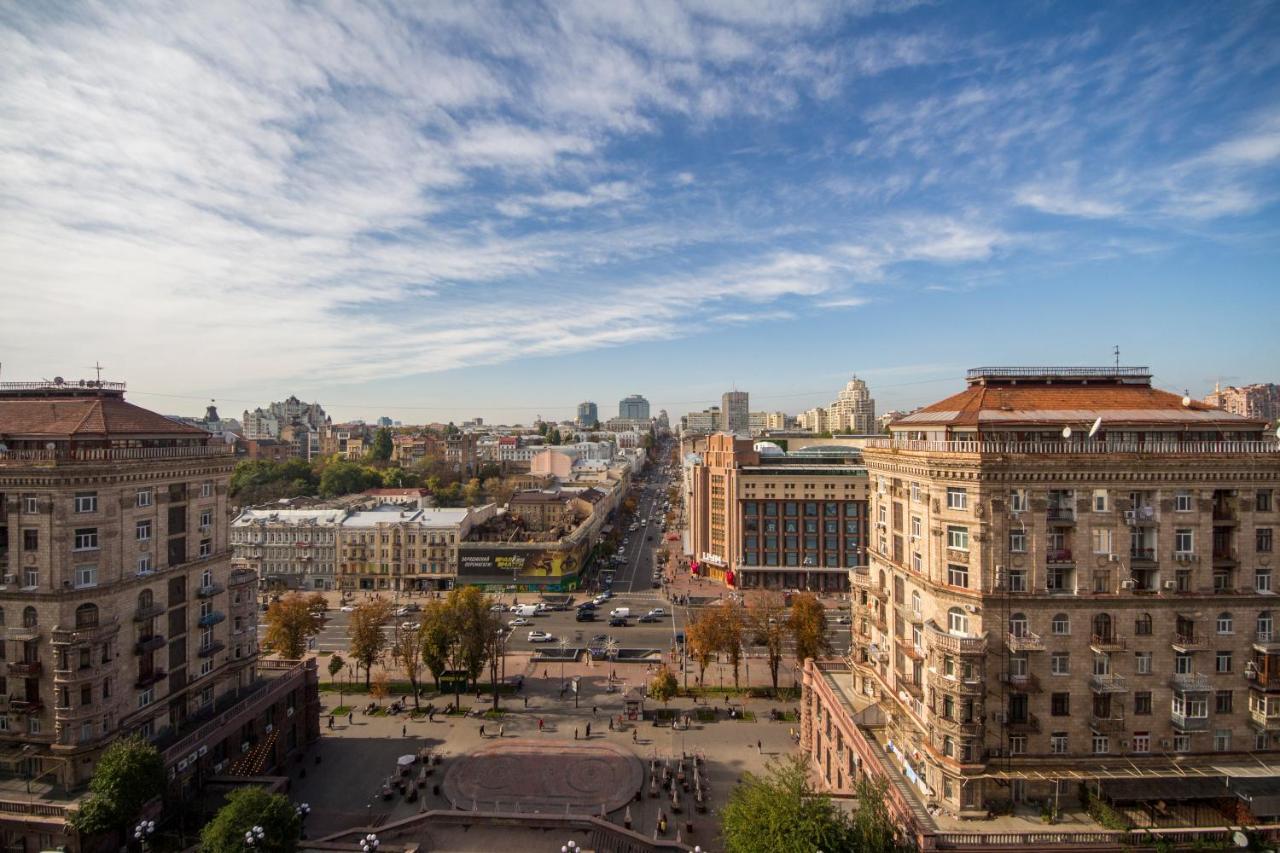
466,619
380,451
496,648
728,633
808,627
365,633
290,622
336,663
780,812
249,807
406,651
129,773
700,639
434,634
318,604
663,686
342,478
875,829
471,492
380,688
767,621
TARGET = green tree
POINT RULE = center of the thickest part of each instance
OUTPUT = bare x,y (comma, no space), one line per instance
336,663
366,635
472,492
780,812
729,631
663,686
436,639
342,478
380,450
290,622
406,650
129,773
767,622
808,626
249,807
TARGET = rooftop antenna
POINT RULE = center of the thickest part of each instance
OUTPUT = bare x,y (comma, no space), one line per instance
98,368
1116,348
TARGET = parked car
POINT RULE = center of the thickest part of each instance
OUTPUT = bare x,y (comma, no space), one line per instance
348,608
519,622
657,611
648,617
401,611
497,608
540,637
842,620
408,626
618,622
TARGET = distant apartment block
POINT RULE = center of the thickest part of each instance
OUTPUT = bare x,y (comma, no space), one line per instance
1260,402
633,408
588,414
735,413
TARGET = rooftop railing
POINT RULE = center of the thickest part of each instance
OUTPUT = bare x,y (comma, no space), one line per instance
1016,372
1093,448
115,454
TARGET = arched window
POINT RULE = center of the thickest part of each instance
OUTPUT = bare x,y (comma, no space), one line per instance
145,599
1264,626
957,622
87,616
1102,626
1142,625
1018,625
1226,625
29,618
1061,624
915,602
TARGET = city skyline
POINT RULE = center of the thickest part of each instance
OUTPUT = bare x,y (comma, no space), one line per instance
448,209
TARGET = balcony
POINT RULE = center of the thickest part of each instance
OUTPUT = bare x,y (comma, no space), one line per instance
21,633
910,649
1109,683
211,618
151,611
911,687
242,578
1224,513
25,704
1107,643
146,679
1189,724
1189,641
1267,641
1021,724
1058,556
964,728
210,590
1190,682
25,668
1060,515
1023,682
101,632
1109,724
211,649
1225,555
1263,720
962,686
1263,679
1142,555
1025,641
945,642
148,644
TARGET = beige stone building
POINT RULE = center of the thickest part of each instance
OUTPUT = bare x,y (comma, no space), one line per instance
760,517
288,548
392,548
119,609
1260,401
1071,579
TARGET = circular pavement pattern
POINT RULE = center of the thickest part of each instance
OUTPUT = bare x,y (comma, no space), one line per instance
531,775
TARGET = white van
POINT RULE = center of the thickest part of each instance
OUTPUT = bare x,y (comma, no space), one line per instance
526,610
620,613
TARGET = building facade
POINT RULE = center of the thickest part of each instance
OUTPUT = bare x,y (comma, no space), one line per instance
288,548
121,611
404,549
761,518
702,423
1260,402
1070,580
853,410
588,414
633,408
735,413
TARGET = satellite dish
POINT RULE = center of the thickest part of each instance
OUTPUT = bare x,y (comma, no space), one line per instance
1278,432
1093,430
1066,432
1186,401
57,380
1240,839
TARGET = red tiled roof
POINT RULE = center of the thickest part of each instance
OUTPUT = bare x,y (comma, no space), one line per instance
1014,403
85,416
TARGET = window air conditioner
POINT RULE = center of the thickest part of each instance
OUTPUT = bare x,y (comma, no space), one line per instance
10,578
1127,584
1170,585
288,712
269,728
1130,516
182,765
972,608
1115,558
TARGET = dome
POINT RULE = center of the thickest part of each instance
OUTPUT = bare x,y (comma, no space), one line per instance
768,448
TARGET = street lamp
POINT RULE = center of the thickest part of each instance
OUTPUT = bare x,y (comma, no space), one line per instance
253,837
369,844
570,847
302,811
142,832
564,650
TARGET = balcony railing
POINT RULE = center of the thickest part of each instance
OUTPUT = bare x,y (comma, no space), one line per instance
212,618
1189,641
210,590
146,679
211,648
1082,448
943,641
1268,722
115,454
242,578
151,611
1108,724
104,630
1109,683
1021,723
1267,641
1142,555
1062,514
1225,555
25,668
1189,724
25,704
1107,643
149,644
1058,555
1023,682
1264,679
1190,682
1025,641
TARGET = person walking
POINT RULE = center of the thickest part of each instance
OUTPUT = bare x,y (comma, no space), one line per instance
593,711
404,730
539,724
634,736
759,748
502,727
482,730
331,721
351,717
575,734
526,701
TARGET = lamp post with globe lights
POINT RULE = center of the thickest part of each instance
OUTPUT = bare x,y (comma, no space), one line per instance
570,847
142,832
369,844
302,811
253,838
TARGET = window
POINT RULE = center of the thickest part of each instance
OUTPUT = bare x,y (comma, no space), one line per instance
33,725
1182,664
30,539
1058,743
206,489
1099,500
1018,625
1102,540
146,697
1018,541
1142,625
1262,580
1018,500
206,520
1182,502
915,602
916,527
1223,703
86,576
1101,744
144,563
958,575
1263,624
958,538
915,493
86,501
1060,663
1222,662
1225,624
206,547
1142,702
87,616
30,618
957,622
86,539
1262,537
1141,742
1264,500
1060,625
1181,743
143,498
1222,740
1017,744
1184,540
1060,705
142,530
917,563
1142,663
30,504
957,498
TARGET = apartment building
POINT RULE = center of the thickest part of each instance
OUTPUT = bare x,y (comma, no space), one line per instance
391,548
461,454
735,408
289,548
763,518
1260,401
702,423
1071,580
120,612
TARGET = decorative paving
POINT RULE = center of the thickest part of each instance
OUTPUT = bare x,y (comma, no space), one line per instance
538,776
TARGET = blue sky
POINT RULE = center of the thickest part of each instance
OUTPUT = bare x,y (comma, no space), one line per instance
434,211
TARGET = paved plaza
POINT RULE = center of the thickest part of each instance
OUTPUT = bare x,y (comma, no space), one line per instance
520,774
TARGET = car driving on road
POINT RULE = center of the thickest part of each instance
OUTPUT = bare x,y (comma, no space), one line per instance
519,622
540,637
